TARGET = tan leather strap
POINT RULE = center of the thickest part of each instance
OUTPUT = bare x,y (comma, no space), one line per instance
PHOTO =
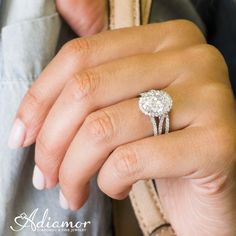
126,13
143,196
148,210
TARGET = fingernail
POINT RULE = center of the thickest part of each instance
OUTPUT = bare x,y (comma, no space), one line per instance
63,202
17,134
38,179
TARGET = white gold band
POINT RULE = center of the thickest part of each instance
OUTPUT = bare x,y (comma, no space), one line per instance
159,123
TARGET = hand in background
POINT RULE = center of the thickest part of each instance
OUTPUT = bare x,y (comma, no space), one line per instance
85,17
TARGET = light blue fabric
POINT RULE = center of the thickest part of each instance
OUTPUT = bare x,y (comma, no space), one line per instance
30,33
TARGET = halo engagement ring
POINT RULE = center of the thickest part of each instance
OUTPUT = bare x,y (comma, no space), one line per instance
156,104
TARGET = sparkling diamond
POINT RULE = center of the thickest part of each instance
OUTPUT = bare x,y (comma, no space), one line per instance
155,103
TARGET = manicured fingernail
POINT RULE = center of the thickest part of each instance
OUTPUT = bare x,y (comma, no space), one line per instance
38,179
63,202
17,134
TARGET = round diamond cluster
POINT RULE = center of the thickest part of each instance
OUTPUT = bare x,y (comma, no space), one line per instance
155,103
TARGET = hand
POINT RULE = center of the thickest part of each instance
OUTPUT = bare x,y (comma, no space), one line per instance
84,17
83,114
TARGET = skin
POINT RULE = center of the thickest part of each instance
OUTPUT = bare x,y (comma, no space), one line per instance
86,17
88,95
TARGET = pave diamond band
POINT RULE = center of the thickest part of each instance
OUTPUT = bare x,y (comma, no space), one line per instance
156,104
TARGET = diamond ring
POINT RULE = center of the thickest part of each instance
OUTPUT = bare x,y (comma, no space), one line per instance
156,104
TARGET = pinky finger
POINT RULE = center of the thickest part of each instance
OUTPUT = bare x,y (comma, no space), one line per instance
176,154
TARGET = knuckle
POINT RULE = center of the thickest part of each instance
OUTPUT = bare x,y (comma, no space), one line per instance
33,99
187,31
77,46
65,179
208,57
48,158
126,162
84,84
99,126
193,30
186,24
45,147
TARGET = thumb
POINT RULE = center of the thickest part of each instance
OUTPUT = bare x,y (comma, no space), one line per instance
85,17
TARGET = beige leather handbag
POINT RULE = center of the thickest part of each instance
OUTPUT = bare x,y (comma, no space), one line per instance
143,196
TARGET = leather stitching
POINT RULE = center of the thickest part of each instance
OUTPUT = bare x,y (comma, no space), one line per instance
155,198
157,202
138,212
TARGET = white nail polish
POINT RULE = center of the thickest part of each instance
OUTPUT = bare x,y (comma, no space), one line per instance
63,202
38,179
17,134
